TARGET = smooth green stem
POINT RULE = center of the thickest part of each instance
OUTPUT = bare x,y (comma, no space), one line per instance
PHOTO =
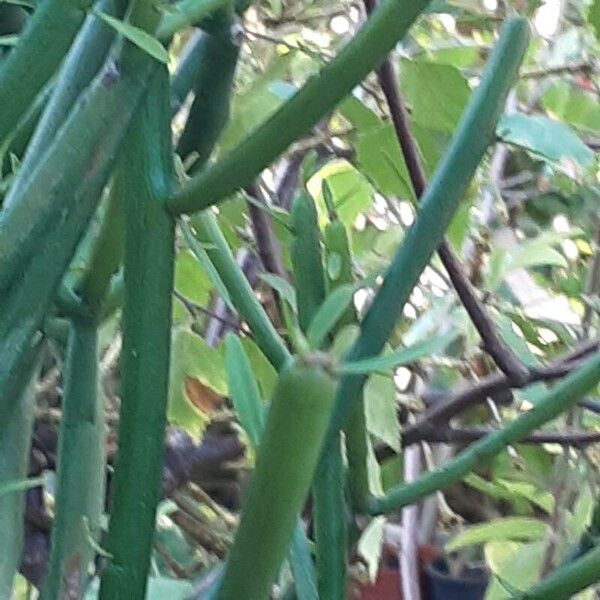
474,134
81,465
588,540
16,144
357,452
217,55
329,522
242,295
188,12
329,503
84,60
247,402
85,146
568,580
146,173
105,252
288,454
297,116
41,229
186,74
15,438
42,45
560,398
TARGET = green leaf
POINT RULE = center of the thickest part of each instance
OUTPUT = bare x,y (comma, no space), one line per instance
190,279
263,370
508,528
381,411
400,357
370,545
530,253
329,313
352,193
545,138
192,357
436,93
283,287
517,565
567,103
137,36
593,17
243,389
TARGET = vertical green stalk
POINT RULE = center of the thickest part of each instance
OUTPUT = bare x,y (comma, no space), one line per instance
287,456
146,175
15,438
216,55
80,486
42,45
329,521
337,248
329,503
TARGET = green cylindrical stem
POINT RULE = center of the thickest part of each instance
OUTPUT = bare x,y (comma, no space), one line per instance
105,252
188,12
568,580
357,452
329,522
307,260
145,174
185,75
328,487
42,45
81,65
58,201
287,457
80,485
242,295
244,393
474,134
556,401
338,264
15,439
85,146
296,117
217,58
339,272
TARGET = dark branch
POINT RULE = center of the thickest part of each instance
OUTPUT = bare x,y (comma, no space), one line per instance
450,435
492,386
266,242
506,360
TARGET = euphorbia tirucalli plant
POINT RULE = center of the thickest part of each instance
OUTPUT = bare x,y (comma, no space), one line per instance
103,145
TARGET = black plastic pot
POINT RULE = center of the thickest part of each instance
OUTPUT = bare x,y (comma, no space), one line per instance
442,585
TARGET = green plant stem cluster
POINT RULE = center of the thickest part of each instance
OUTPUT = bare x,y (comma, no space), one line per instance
109,113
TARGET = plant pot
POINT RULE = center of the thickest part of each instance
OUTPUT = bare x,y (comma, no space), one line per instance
443,585
386,587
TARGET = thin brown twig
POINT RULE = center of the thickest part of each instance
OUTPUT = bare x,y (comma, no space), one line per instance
506,360
266,242
492,386
460,435
571,69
